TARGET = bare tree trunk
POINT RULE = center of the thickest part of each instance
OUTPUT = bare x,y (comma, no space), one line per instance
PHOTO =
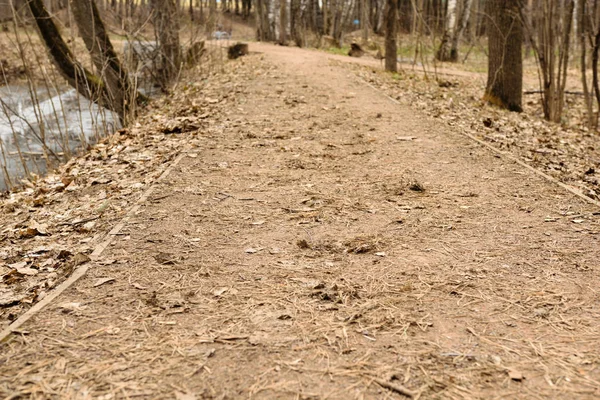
259,27
326,17
333,4
505,64
463,20
391,28
554,35
314,15
262,20
85,82
595,60
379,15
212,16
246,6
575,24
580,31
166,25
415,14
273,19
105,59
364,4
283,23
443,53
528,21
295,23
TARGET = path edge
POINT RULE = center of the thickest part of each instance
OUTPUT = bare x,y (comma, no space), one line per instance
509,156
95,255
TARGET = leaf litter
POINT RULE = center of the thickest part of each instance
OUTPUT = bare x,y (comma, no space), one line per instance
568,151
83,199
439,316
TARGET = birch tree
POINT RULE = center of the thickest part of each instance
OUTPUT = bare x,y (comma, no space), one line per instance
463,20
443,53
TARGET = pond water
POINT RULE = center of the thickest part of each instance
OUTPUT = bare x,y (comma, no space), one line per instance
41,128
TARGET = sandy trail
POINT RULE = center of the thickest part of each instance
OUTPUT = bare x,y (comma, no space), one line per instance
318,240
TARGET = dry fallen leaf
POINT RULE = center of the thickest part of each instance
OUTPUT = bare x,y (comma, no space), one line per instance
113,330
34,229
89,226
185,396
220,291
72,306
102,281
138,286
18,265
515,375
8,298
79,259
165,258
22,268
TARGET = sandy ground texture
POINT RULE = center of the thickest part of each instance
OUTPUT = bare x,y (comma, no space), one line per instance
322,242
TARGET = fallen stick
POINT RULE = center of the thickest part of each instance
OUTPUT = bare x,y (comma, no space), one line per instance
396,388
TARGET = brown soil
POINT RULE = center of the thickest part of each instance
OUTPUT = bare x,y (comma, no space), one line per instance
319,241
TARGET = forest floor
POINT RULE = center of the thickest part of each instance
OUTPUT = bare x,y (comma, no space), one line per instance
307,238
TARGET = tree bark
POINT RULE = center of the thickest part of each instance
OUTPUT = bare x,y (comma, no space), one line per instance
505,62
580,31
166,25
212,16
260,30
364,4
84,81
595,60
554,36
391,28
378,19
283,23
443,53
463,20
246,5
325,17
295,23
264,32
114,75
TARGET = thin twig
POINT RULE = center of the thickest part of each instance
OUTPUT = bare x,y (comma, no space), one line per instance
396,388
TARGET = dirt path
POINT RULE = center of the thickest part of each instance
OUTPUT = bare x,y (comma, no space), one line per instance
320,241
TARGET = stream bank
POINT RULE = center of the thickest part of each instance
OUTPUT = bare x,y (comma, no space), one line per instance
40,128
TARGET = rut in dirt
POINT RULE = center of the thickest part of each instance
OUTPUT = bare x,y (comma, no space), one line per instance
320,241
